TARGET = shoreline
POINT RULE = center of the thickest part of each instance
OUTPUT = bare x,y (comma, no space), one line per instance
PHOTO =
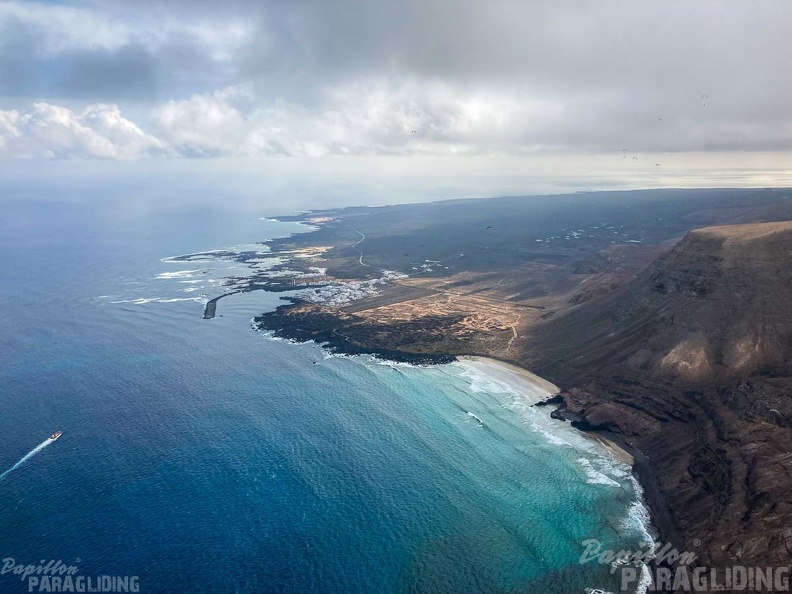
617,448
660,525
650,495
539,391
320,330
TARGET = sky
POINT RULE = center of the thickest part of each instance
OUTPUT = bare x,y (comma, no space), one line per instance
398,100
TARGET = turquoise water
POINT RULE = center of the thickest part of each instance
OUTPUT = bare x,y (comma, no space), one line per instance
205,457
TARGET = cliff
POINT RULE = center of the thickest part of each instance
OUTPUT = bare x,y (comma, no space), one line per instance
691,363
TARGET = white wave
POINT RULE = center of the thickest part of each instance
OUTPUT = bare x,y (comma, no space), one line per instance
638,517
522,405
27,457
605,463
145,300
181,273
329,355
472,416
270,335
595,477
646,580
553,438
482,383
389,363
600,465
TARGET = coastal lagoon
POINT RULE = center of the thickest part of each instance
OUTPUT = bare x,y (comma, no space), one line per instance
203,456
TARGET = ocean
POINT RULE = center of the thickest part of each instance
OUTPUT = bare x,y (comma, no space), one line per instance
202,456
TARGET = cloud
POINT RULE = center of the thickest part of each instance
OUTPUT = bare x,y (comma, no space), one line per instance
380,117
350,77
373,118
204,125
98,131
56,29
413,117
56,51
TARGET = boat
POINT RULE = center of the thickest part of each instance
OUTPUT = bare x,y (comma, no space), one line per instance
56,435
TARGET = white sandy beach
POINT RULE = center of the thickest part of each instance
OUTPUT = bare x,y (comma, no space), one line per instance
535,389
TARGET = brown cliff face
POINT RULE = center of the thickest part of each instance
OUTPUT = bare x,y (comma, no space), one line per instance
692,364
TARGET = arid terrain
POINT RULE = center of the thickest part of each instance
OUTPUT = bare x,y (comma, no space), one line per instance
692,364
675,337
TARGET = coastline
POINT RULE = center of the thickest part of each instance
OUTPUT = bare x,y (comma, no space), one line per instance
658,524
648,491
321,329
288,322
540,390
502,368
536,391
651,495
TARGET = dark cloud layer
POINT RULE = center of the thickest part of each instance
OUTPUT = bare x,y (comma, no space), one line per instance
356,77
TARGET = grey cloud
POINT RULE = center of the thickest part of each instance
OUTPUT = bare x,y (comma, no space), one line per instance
505,76
130,71
62,52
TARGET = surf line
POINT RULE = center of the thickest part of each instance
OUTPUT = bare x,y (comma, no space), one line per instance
28,456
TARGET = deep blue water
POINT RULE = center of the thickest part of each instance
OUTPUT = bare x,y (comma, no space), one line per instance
204,457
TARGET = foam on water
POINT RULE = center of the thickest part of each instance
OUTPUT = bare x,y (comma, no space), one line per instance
646,580
388,363
181,273
594,476
27,457
145,300
481,383
600,467
472,416
638,516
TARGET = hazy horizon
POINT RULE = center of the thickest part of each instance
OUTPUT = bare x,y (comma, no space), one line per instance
349,102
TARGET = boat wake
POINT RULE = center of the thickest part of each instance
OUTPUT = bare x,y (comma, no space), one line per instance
27,457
